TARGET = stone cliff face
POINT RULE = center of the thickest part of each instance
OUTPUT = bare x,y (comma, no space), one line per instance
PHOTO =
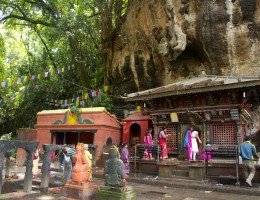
164,41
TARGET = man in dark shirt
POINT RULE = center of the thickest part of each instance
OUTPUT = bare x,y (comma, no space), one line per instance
248,153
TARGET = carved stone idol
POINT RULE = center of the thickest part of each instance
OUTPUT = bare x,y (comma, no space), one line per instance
81,171
81,185
114,168
115,184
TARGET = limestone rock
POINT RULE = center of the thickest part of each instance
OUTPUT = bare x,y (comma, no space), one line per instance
167,41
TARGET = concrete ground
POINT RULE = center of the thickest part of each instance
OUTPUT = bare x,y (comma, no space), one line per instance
146,187
144,192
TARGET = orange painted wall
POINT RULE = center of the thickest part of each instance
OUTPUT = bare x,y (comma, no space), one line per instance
105,124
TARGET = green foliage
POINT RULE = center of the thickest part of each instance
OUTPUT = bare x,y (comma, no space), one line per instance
103,100
36,36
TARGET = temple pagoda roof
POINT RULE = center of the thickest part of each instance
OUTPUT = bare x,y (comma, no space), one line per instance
194,85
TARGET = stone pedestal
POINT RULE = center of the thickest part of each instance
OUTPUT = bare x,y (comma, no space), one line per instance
116,193
196,171
144,166
167,169
84,190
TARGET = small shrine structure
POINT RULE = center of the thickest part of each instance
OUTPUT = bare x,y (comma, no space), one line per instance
79,125
135,127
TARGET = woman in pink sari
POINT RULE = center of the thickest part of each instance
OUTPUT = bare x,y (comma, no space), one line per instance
162,142
148,141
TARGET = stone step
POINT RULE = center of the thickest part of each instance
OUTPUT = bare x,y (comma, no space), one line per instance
35,184
184,173
186,179
183,167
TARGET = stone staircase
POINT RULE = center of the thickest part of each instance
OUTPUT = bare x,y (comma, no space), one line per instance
182,169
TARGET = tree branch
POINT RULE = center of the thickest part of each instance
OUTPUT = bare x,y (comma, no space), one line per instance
46,47
26,19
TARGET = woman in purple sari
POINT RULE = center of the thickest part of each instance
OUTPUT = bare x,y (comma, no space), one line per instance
124,156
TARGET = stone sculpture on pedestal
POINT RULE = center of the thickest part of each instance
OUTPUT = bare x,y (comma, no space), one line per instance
114,168
115,183
81,185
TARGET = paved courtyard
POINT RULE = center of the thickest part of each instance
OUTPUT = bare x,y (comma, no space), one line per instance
147,188
144,192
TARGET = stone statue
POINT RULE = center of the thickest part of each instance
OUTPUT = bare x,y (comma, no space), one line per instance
71,117
114,168
81,185
81,171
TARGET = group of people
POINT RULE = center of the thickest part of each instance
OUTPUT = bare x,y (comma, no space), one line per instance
247,151
148,142
162,141
190,142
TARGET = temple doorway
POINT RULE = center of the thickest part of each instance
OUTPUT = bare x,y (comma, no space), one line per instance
135,135
72,137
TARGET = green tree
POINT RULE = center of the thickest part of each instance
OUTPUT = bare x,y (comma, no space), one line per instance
103,100
43,35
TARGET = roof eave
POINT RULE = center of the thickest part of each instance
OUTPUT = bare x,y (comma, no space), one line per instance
231,86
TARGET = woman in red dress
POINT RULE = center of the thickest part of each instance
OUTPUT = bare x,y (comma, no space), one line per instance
162,142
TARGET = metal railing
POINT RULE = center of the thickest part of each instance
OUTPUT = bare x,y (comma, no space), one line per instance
140,148
223,151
